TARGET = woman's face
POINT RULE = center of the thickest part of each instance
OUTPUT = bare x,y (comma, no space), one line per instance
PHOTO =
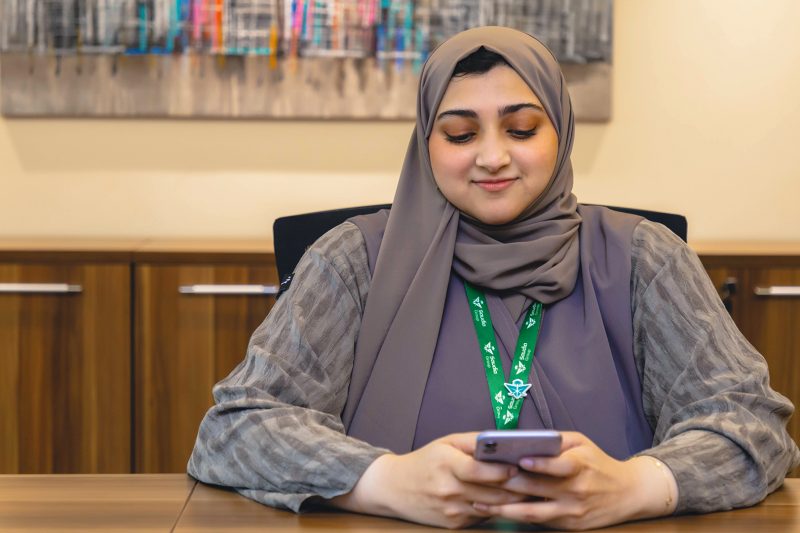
493,149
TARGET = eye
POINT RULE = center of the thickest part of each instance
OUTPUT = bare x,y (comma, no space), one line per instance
459,139
522,134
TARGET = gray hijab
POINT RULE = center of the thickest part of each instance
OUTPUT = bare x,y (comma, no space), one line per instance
535,256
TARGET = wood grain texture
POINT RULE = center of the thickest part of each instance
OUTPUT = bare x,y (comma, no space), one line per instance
157,502
184,344
143,250
65,371
92,503
215,509
747,249
772,325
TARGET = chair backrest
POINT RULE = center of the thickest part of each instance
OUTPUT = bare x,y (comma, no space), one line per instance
292,235
674,222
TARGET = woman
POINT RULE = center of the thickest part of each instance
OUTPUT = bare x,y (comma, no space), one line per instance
364,386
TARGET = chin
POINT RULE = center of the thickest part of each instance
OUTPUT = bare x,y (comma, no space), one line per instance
496,219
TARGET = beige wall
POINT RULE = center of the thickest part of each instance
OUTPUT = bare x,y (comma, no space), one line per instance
706,108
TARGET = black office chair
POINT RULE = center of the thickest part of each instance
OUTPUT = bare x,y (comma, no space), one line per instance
292,235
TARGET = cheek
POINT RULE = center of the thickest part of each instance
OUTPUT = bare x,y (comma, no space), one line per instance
448,162
541,162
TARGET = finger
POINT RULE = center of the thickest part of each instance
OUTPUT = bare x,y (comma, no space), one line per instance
565,465
535,485
487,495
469,470
527,512
462,514
481,509
572,439
463,441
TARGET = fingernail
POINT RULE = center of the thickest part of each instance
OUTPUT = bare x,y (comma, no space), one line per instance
482,507
513,471
527,463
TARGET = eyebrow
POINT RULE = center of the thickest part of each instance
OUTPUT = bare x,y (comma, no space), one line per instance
507,110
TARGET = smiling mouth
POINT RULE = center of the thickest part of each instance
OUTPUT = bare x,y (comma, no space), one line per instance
495,185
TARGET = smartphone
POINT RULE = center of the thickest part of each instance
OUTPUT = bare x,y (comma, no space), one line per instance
509,446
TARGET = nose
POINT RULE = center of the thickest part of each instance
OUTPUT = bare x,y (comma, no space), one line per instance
493,154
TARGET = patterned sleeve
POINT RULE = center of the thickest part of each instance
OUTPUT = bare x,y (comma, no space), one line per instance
718,425
275,433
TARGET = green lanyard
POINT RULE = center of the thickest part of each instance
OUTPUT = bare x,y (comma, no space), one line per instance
506,396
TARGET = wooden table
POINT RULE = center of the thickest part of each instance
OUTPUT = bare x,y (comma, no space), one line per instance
175,502
124,502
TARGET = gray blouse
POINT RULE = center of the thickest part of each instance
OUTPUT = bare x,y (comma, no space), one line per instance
276,436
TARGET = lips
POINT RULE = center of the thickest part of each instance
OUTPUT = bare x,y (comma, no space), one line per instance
495,185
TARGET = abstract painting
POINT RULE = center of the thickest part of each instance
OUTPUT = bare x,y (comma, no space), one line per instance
343,59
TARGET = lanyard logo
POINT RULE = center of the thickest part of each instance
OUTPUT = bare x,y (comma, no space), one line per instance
517,389
488,348
499,398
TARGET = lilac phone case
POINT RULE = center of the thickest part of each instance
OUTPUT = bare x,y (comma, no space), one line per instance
509,446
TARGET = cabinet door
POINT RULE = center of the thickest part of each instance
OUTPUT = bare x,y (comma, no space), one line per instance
65,369
185,343
772,325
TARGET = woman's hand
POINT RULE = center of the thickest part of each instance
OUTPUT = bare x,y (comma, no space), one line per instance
437,484
584,488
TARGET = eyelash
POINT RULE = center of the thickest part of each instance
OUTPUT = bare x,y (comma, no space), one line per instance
518,134
523,134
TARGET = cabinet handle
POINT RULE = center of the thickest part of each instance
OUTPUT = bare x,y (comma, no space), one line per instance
228,290
778,290
39,288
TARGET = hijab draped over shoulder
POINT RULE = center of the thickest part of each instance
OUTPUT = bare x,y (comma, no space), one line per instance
535,256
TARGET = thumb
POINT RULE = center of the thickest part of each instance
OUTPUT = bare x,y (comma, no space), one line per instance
464,442
572,439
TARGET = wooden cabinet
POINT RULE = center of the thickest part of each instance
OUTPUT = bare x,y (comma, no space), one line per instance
65,368
115,374
185,343
771,322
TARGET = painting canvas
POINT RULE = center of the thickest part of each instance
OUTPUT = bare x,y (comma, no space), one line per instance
346,59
